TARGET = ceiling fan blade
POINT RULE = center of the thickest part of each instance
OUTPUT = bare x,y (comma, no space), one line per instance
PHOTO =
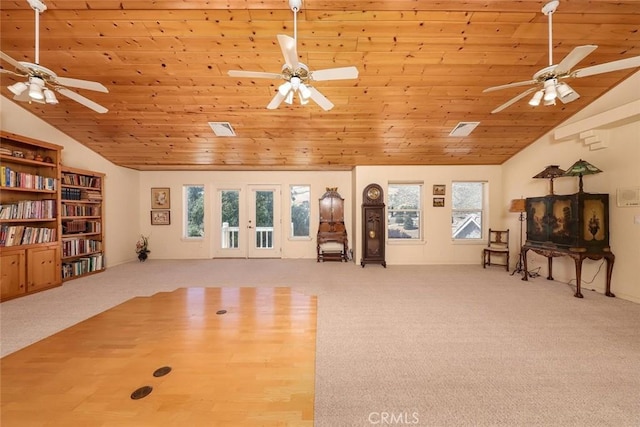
82,100
514,100
516,84
342,73
82,84
320,99
15,63
289,51
276,101
254,74
575,56
607,67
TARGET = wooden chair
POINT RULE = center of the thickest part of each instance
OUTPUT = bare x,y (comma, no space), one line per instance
498,244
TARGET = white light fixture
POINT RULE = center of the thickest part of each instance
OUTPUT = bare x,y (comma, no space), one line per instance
305,93
289,98
550,90
36,85
537,97
18,88
564,90
50,97
284,88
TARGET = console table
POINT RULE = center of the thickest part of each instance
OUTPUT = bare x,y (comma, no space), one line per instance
578,257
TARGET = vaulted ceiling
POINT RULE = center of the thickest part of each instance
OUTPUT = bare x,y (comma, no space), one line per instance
422,67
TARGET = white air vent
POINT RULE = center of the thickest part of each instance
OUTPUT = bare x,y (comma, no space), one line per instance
628,197
222,128
464,128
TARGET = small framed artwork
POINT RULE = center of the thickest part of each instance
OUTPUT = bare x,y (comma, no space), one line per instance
160,198
160,217
438,202
439,190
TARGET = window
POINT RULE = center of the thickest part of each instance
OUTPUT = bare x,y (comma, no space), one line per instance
404,211
467,212
300,210
194,211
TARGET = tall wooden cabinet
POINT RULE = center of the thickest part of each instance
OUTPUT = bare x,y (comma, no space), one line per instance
29,215
373,220
82,222
331,228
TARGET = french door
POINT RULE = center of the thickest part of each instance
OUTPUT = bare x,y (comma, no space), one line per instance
247,221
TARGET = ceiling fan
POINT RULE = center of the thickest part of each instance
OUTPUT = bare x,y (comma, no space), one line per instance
42,82
548,83
298,79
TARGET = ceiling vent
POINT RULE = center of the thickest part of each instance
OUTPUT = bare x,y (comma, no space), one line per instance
222,128
464,128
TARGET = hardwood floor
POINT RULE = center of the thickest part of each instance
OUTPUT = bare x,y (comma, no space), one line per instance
253,365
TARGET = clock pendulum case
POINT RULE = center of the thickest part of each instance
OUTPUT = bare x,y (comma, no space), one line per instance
373,219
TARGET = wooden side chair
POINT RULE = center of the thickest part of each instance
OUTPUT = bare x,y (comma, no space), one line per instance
498,244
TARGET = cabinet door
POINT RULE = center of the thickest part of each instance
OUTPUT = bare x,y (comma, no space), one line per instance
43,268
12,274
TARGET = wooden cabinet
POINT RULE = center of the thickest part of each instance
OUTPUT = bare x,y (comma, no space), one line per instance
82,222
373,220
29,215
331,228
577,222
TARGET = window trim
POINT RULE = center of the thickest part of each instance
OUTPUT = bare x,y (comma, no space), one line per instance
421,211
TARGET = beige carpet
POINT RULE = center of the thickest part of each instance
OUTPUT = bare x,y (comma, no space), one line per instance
410,345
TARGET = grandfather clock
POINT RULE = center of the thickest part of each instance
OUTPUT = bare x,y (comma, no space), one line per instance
373,220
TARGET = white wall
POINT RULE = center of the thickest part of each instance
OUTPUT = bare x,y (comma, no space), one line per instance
620,165
167,242
437,246
121,184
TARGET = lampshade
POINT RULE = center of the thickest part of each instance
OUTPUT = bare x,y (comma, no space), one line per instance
537,97
18,88
50,97
517,205
550,172
580,168
550,89
564,90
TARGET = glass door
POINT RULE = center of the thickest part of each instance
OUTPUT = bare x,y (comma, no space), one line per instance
247,222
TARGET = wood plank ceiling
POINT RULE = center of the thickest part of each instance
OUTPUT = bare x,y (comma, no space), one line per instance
422,64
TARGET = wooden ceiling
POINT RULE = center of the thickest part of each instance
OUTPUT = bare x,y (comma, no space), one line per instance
422,64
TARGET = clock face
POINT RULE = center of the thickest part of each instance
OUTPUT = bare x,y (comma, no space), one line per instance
373,193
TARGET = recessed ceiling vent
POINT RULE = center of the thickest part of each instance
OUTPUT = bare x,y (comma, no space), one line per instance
222,128
464,128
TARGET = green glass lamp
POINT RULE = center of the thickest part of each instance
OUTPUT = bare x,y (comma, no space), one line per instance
580,168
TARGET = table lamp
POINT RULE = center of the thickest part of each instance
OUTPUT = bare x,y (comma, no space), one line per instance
580,168
550,172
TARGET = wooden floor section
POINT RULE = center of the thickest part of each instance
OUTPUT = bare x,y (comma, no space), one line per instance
252,366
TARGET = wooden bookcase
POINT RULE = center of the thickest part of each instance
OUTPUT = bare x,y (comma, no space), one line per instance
29,216
82,222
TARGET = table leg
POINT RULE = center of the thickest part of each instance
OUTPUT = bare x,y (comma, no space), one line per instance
578,262
550,267
610,260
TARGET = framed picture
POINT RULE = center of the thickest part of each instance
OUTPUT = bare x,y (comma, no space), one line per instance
160,217
160,198
438,202
439,190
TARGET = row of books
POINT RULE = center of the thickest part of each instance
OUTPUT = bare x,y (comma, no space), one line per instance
11,178
82,266
81,180
80,210
76,246
81,226
15,235
29,209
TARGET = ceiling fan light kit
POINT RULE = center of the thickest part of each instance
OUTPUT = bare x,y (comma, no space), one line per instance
42,82
548,84
298,79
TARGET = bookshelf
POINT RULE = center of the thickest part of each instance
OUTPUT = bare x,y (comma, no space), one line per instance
82,222
29,219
